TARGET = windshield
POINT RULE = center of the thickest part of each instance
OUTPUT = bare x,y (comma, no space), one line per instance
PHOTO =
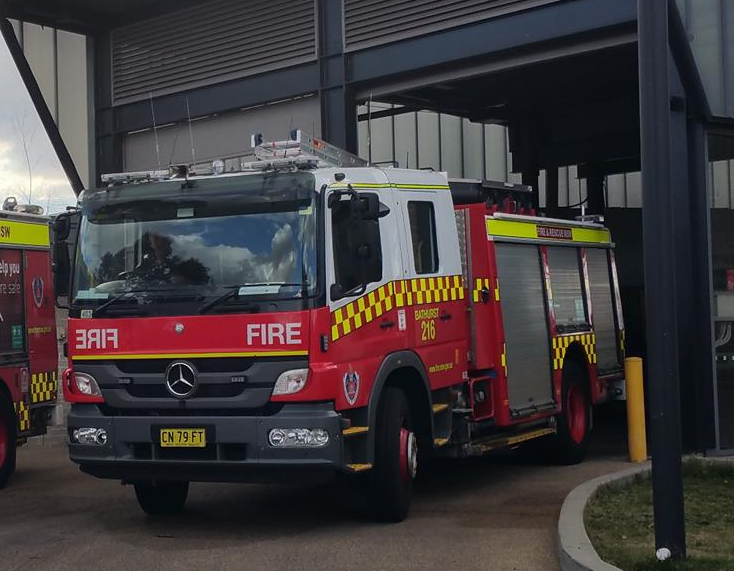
263,249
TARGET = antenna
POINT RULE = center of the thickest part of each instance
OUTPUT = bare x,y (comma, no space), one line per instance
191,133
155,132
369,129
173,149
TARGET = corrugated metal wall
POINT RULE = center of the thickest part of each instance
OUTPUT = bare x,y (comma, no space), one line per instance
372,22
190,48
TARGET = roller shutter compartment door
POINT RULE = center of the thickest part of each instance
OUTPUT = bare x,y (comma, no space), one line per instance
602,309
526,326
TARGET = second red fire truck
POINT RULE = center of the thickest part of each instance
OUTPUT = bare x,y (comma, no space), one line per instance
28,351
306,314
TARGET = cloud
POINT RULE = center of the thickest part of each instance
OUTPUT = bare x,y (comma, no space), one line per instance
18,119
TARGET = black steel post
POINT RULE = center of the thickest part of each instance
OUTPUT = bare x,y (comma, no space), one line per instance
44,114
704,363
660,275
595,189
338,109
551,191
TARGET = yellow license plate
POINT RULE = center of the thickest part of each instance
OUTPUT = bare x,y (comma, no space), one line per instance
183,438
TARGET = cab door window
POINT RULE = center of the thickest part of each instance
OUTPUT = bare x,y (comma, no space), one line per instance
357,248
422,221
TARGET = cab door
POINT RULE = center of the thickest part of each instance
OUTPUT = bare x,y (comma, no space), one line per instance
434,290
365,258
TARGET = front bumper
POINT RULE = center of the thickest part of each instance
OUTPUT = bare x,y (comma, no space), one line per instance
237,446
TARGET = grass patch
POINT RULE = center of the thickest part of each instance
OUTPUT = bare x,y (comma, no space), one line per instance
619,521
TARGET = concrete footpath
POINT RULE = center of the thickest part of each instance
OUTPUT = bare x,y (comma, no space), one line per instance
498,513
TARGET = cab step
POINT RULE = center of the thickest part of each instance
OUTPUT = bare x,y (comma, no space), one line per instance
359,467
484,445
355,430
440,442
440,407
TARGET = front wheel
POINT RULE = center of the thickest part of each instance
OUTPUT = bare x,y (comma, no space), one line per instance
569,445
162,498
396,458
7,440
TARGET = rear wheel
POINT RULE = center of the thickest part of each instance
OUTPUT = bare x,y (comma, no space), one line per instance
7,439
396,458
570,443
161,498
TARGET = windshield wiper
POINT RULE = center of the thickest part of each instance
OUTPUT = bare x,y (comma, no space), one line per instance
235,292
102,308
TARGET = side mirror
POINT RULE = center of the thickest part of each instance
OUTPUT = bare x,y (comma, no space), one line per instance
61,263
61,267
62,227
367,206
336,292
362,205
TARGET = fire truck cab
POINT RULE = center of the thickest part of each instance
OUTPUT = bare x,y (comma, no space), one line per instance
308,314
28,350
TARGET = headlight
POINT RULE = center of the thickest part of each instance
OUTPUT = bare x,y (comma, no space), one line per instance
86,385
89,436
290,382
218,167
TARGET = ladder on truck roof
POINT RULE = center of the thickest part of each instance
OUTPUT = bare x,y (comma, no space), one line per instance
300,151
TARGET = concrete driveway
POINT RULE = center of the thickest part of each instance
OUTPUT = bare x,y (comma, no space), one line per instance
496,513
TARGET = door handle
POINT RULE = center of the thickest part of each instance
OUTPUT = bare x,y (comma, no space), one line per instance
445,317
387,324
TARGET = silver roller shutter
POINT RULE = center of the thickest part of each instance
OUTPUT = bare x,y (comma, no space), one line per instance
209,43
602,309
526,327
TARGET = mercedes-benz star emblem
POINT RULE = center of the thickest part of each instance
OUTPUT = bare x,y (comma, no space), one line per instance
180,379
179,328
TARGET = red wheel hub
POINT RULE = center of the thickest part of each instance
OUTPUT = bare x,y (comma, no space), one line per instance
4,442
408,454
576,412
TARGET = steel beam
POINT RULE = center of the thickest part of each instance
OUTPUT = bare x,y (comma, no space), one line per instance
515,32
44,114
659,239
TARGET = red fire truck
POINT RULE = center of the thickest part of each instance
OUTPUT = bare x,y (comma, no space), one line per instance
28,351
306,314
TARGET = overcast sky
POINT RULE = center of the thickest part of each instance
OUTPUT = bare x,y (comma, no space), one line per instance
18,122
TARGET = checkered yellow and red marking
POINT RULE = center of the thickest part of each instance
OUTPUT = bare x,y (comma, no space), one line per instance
43,387
482,285
395,294
562,343
23,412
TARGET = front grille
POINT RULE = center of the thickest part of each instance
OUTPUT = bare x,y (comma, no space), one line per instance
227,452
269,409
202,391
207,453
214,365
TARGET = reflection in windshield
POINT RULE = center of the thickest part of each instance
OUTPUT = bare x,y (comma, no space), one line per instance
272,249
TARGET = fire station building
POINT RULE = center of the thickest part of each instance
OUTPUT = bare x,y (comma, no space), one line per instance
544,92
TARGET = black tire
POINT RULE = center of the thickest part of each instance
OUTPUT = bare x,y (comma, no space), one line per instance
571,442
8,442
390,485
162,498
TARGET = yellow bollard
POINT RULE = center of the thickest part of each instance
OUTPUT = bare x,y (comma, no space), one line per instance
636,436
